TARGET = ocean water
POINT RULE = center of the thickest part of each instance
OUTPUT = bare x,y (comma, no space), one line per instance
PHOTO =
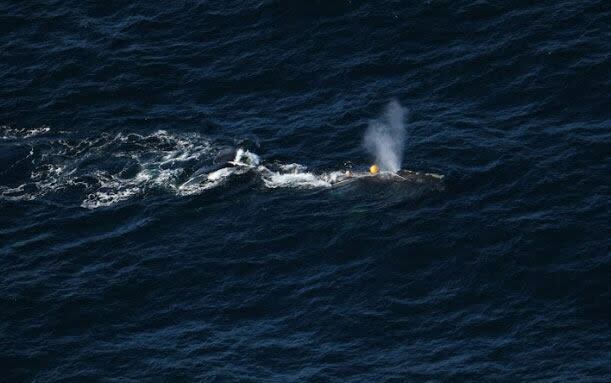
132,250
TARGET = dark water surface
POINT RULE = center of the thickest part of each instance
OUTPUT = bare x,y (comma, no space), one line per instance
126,255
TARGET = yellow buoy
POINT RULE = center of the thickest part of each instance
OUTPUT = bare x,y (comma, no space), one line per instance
374,169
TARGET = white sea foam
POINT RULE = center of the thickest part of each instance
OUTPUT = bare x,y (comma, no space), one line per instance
110,197
294,180
292,168
18,193
8,133
108,168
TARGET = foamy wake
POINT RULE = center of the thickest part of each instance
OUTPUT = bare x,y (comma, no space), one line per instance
112,168
107,169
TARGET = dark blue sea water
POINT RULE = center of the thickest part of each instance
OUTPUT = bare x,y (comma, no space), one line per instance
131,251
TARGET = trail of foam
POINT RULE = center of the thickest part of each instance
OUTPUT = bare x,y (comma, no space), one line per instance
110,169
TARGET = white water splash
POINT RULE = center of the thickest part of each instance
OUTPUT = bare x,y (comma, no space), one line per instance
245,158
385,137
